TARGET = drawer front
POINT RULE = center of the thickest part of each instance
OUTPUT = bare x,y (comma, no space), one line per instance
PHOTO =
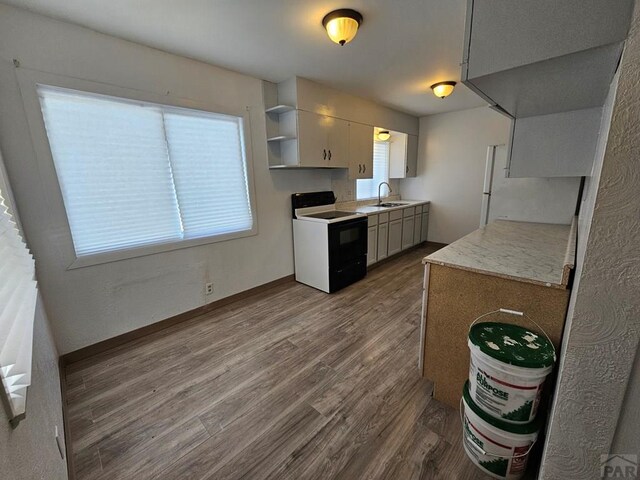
425,208
395,215
373,220
383,217
409,212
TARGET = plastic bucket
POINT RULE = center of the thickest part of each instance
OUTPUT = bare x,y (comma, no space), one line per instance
498,448
508,368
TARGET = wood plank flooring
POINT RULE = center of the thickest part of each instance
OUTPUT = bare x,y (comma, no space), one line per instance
291,383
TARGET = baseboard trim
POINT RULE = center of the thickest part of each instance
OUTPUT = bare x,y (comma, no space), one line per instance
111,343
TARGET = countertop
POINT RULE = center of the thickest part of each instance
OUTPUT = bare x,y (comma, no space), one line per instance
372,209
539,253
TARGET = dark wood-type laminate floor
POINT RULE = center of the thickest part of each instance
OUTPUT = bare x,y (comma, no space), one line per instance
291,383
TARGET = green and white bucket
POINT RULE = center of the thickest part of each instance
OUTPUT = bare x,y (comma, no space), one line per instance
498,448
508,368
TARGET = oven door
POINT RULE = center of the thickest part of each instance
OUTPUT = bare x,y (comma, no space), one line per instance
347,252
347,241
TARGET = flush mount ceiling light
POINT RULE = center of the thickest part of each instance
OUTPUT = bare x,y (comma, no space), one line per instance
342,25
384,135
443,89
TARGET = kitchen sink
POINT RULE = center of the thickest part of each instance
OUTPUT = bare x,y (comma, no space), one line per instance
392,204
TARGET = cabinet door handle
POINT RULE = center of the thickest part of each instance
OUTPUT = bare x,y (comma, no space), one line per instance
364,168
324,154
329,154
359,168
407,168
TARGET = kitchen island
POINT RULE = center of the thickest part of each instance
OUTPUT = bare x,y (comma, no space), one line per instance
514,265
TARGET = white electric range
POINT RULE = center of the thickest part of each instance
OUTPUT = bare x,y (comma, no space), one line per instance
330,246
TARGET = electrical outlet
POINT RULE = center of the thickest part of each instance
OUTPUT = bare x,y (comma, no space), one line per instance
208,288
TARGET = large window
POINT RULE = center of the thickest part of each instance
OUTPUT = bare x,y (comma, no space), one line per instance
135,174
368,188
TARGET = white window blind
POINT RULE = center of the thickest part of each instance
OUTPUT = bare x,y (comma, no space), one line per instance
135,174
368,188
17,308
209,170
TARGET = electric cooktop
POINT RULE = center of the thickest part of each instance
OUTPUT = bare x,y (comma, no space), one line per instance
331,214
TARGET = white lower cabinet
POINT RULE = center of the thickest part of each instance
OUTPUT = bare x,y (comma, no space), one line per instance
417,228
394,231
383,240
407,231
372,245
424,228
395,236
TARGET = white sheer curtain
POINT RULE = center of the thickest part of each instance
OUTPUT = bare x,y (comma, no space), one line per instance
18,293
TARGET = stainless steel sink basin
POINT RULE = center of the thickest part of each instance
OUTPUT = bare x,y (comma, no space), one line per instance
391,204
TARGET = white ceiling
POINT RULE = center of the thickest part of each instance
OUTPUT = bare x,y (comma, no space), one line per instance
402,47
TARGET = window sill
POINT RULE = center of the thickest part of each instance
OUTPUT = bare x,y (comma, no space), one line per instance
119,255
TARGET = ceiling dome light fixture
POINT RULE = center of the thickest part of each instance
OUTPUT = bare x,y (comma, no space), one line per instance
342,25
443,89
384,135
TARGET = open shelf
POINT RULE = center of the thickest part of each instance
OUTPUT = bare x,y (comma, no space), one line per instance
302,167
280,138
278,109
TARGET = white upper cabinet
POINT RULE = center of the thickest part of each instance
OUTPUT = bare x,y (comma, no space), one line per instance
536,57
323,141
309,125
360,150
411,168
313,141
556,145
403,155
508,34
338,144
547,64
310,140
398,155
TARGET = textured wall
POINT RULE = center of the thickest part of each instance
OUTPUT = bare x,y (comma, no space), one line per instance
603,322
627,439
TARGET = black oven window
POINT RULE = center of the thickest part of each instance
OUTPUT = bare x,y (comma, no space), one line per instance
349,236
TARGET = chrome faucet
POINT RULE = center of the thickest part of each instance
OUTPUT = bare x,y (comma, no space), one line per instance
383,183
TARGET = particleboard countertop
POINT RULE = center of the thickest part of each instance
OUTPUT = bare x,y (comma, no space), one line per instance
539,253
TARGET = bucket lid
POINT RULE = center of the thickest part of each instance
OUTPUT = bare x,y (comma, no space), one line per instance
515,428
513,344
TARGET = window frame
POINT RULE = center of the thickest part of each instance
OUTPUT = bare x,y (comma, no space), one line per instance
363,199
30,80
